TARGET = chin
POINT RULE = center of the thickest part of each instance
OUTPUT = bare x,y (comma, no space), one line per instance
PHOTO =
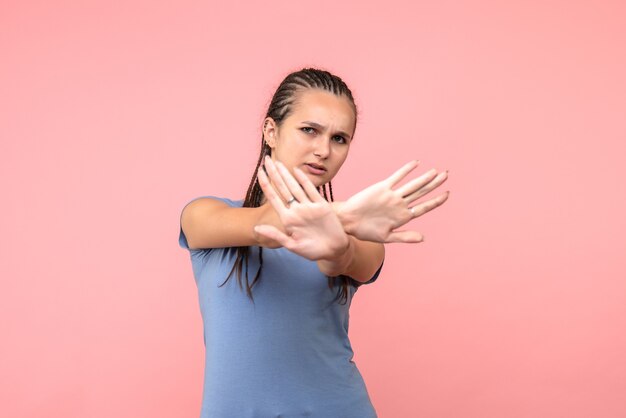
319,182
316,181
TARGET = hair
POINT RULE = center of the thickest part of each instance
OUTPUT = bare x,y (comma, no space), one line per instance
280,107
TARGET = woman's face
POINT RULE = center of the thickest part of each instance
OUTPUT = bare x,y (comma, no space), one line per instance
315,137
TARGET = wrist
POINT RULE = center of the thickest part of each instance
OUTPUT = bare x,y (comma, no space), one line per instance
266,215
343,256
340,260
348,221
346,251
260,220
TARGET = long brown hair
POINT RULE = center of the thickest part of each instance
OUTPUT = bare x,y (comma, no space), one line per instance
279,109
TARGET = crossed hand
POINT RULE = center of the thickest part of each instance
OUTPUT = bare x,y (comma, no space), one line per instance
315,230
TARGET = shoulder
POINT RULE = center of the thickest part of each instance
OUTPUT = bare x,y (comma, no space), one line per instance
207,222
206,204
214,200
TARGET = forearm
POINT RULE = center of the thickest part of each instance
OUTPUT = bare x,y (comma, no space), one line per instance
210,223
339,262
360,260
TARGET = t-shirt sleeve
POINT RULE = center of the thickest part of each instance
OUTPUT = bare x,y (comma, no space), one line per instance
182,239
372,279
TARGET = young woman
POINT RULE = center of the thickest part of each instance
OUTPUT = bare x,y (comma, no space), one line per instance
276,335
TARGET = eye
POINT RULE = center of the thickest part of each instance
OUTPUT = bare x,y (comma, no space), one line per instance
340,139
305,129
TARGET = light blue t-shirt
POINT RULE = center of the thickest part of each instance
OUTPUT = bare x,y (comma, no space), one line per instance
285,355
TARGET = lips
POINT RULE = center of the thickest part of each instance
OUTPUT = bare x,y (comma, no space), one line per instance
317,166
315,169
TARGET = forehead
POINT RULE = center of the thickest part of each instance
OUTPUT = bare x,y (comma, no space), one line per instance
325,108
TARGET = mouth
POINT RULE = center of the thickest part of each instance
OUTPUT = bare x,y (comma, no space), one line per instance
315,169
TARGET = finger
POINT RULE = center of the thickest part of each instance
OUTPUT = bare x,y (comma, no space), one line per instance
405,236
277,180
427,206
401,172
270,193
417,183
434,183
273,233
294,188
308,185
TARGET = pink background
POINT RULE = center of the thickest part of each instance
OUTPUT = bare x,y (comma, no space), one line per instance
113,115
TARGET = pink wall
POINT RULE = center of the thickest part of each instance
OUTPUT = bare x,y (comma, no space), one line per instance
112,116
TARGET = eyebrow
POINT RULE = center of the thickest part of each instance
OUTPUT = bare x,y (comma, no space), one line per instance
322,127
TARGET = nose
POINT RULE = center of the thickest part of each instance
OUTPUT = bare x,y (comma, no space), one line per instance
322,147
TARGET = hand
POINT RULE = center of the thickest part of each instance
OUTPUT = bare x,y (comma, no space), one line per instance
376,212
312,229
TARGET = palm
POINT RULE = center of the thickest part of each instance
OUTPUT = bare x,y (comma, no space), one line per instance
313,230
377,211
311,227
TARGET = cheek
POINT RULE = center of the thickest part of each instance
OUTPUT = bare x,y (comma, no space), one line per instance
337,167
342,154
294,145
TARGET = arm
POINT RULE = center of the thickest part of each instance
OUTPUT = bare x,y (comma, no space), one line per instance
313,228
360,260
210,223
370,216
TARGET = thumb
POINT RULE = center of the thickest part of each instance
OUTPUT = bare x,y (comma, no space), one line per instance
405,236
273,233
